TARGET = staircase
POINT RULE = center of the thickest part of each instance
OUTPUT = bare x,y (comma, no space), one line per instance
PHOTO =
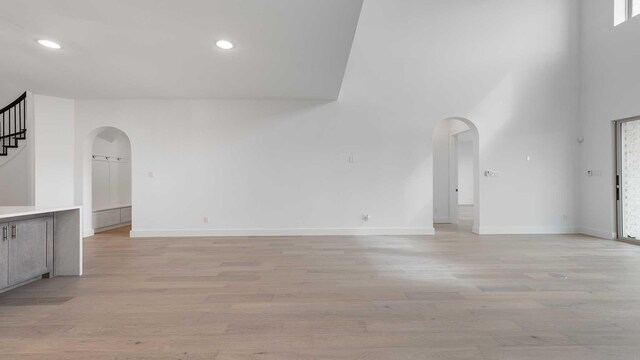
13,124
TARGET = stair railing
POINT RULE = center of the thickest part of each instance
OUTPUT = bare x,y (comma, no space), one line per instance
13,124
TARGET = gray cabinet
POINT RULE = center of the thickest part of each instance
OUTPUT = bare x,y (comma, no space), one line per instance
30,249
28,238
125,215
107,219
4,255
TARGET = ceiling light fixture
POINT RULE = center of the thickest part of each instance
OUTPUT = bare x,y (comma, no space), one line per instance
224,44
50,44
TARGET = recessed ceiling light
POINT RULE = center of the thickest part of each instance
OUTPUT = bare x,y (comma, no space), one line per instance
224,44
50,44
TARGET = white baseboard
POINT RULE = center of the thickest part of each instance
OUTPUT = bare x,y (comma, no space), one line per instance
599,233
483,230
526,230
87,233
281,232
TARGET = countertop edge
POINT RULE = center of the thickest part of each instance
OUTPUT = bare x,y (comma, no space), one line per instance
16,211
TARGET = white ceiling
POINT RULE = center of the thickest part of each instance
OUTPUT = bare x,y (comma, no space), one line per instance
123,49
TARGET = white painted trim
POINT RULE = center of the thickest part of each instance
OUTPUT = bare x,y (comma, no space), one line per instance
527,230
444,220
88,233
599,233
281,232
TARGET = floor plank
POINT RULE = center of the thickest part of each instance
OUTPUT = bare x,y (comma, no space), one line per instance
451,296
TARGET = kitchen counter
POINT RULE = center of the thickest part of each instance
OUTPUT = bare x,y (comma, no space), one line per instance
66,233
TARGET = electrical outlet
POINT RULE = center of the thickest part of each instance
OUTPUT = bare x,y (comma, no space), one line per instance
206,219
352,159
366,218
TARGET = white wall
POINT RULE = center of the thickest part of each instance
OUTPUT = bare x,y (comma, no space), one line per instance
465,169
54,145
281,167
610,91
14,188
41,171
111,178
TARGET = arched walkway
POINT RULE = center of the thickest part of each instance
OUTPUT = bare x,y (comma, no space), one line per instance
87,173
445,179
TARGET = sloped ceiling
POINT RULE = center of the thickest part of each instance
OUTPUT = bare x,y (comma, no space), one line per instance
143,49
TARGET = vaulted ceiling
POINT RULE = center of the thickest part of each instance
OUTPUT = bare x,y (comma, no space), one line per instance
132,49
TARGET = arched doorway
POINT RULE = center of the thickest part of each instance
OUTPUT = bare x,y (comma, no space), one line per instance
106,180
456,175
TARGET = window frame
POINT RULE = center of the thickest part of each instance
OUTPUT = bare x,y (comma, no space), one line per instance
628,11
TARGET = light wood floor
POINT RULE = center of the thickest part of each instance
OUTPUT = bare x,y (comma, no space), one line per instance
452,296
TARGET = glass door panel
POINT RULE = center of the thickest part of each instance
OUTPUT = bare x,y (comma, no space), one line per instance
629,179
